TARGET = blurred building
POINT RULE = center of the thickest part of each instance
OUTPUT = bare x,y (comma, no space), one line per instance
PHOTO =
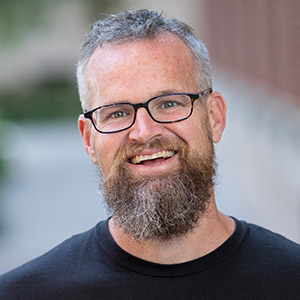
259,39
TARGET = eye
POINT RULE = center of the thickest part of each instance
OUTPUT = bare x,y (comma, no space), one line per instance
168,104
118,114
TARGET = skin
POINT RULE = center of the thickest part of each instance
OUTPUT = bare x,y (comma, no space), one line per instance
134,72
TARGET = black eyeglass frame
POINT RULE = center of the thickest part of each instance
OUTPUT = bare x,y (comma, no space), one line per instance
193,97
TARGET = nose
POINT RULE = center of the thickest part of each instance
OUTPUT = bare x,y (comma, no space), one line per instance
144,127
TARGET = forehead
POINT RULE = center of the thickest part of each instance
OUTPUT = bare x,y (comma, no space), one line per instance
141,68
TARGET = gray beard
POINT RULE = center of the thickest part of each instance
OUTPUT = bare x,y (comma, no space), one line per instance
160,208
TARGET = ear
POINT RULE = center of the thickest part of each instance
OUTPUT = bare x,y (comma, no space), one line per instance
216,111
85,127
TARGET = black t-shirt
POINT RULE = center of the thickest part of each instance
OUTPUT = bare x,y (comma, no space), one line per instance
253,263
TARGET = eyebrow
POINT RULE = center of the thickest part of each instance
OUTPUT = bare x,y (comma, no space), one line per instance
165,92
157,94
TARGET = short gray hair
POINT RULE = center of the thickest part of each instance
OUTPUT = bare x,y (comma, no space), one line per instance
136,25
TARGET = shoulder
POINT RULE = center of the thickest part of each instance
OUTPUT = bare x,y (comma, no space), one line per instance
49,270
270,250
263,262
267,240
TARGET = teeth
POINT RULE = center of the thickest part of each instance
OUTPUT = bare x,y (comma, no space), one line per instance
137,159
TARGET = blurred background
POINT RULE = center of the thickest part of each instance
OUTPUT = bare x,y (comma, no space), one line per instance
48,189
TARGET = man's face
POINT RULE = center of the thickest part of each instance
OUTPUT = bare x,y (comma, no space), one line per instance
135,72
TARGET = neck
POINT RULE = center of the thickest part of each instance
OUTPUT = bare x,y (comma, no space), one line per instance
212,230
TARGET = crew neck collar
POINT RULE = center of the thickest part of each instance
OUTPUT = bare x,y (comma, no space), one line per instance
154,269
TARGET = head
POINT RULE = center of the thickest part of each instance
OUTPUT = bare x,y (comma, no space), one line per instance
157,178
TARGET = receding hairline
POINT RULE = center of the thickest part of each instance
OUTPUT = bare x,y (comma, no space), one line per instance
164,36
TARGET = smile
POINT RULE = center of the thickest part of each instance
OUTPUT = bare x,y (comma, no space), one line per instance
161,154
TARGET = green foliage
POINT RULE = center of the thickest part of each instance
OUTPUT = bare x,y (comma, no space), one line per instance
51,99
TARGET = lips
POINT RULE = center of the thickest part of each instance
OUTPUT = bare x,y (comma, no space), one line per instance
161,154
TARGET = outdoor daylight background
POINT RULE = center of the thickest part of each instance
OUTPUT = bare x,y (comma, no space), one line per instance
48,188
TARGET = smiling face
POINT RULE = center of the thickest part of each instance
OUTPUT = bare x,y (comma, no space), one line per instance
135,72
157,179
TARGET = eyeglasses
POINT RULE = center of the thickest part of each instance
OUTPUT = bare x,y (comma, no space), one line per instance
169,108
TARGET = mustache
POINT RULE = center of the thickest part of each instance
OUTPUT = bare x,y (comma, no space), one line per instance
135,148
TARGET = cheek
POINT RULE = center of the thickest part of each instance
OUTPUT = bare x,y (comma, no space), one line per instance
198,136
106,147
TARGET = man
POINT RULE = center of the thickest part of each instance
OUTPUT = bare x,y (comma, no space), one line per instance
149,124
